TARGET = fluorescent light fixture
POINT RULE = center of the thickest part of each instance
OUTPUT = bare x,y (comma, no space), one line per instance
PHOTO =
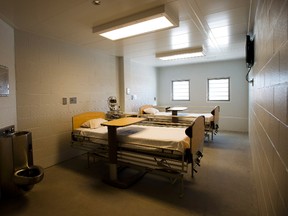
146,21
181,54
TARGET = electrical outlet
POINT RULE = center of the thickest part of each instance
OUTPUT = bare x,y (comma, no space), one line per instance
73,100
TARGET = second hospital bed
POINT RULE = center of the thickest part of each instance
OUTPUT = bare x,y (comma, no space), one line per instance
211,118
168,151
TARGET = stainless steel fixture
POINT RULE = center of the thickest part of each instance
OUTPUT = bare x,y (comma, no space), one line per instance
18,174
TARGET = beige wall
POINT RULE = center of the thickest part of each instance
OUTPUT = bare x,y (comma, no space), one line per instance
142,81
49,70
268,107
233,114
8,104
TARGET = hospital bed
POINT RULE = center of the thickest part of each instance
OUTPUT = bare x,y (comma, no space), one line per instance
167,151
158,114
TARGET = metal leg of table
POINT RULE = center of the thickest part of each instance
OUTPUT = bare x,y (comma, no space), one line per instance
114,178
174,116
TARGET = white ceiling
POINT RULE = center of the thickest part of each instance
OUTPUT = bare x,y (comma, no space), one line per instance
220,26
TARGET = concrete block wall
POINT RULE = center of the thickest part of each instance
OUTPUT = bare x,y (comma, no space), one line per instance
141,79
269,107
7,58
48,71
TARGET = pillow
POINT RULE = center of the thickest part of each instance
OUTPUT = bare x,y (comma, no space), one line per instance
93,123
151,110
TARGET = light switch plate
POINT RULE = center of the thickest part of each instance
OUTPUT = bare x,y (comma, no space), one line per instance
64,101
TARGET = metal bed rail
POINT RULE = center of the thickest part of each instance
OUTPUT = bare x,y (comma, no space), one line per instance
167,163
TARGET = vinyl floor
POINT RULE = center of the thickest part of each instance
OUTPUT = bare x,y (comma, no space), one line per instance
224,185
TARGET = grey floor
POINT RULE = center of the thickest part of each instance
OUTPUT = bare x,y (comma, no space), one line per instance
223,186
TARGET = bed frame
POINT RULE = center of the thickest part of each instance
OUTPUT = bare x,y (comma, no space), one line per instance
211,127
163,162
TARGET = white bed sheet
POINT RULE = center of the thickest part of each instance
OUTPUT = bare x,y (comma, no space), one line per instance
145,136
184,116
208,116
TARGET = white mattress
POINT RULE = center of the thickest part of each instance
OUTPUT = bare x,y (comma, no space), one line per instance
208,116
183,116
144,136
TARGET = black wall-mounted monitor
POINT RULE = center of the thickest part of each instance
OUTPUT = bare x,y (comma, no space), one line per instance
249,51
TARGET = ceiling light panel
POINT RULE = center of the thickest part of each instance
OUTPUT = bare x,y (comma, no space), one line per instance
147,21
181,54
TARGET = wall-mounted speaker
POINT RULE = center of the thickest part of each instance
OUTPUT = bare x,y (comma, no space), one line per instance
249,51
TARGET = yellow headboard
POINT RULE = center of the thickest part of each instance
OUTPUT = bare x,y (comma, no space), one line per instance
79,119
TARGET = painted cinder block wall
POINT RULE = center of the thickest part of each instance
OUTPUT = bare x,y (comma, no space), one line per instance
7,58
268,111
46,72
49,70
141,80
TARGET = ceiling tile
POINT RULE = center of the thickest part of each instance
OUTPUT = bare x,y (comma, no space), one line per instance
219,25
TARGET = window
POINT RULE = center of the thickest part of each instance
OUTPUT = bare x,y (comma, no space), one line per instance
219,89
180,90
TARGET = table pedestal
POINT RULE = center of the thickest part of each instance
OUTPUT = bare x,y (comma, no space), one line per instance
115,178
175,112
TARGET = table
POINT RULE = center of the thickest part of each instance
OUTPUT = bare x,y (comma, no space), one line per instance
112,142
130,114
175,112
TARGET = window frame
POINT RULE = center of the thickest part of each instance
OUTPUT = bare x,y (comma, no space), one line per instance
172,89
229,88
